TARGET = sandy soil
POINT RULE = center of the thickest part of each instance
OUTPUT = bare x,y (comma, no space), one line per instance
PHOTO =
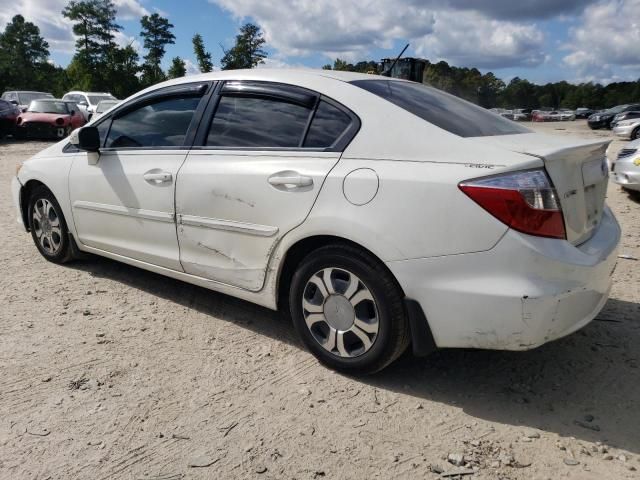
110,372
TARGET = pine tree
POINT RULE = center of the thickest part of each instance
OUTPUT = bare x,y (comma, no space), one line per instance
156,32
202,56
247,51
177,69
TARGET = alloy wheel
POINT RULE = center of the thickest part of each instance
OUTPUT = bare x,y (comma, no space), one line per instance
340,312
46,225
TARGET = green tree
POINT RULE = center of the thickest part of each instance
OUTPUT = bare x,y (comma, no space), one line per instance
94,24
202,56
156,32
247,51
327,67
23,55
177,69
123,72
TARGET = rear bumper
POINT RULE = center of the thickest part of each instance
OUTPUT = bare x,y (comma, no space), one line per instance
524,292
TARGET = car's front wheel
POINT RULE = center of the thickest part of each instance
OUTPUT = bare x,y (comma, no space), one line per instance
48,227
348,309
635,135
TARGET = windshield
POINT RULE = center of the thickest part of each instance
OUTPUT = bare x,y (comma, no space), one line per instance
95,99
25,98
48,106
105,105
443,110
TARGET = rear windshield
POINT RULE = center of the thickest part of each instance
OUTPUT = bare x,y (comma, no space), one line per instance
446,111
95,99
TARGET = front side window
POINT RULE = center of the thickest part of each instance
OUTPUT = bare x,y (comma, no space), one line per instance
441,109
328,125
257,122
161,123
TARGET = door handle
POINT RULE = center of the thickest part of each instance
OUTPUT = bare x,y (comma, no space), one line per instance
290,179
156,178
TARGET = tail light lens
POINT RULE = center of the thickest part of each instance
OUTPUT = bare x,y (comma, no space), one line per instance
525,201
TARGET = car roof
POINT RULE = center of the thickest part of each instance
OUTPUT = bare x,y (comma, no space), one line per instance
285,75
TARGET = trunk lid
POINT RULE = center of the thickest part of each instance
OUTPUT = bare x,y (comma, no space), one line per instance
578,170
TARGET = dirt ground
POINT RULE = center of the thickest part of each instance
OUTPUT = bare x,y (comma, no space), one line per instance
110,372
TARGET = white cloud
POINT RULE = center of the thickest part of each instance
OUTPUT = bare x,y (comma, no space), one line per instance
606,42
191,67
470,39
56,29
350,30
130,9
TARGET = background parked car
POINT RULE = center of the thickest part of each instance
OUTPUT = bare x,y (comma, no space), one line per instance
88,101
23,98
103,106
565,115
541,116
48,118
583,112
626,169
604,119
628,128
8,115
624,116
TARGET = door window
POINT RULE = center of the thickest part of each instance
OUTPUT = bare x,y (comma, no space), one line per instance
161,123
257,122
328,125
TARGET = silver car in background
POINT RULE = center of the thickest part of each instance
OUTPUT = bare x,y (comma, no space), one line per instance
626,169
627,125
103,106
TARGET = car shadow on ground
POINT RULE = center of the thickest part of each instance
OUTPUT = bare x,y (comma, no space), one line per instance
585,386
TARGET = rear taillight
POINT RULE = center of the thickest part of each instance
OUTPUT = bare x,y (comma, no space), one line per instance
525,201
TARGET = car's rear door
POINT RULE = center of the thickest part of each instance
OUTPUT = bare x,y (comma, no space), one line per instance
124,204
261,162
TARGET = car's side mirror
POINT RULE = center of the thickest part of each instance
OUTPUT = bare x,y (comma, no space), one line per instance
87,139
24,110
72,113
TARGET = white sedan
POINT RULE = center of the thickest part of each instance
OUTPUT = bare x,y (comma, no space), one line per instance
377,213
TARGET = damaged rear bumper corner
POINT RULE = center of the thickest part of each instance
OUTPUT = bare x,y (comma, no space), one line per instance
524,292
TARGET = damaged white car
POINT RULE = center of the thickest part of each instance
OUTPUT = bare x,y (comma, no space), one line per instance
377,213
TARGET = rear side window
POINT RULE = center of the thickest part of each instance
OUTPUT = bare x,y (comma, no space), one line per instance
443,110
328,125
162,123
256,122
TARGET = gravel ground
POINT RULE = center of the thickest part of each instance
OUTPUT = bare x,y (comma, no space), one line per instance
109,372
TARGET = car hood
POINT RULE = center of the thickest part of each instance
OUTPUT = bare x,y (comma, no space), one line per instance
42,117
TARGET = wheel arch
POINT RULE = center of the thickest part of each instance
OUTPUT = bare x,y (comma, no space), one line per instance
25,194
304,246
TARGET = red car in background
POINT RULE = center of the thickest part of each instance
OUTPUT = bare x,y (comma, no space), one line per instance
49,118
8,115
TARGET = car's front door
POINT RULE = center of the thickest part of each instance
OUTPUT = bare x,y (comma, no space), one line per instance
124,203
261,163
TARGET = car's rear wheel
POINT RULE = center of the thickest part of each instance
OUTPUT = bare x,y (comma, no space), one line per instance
348,309
48,227
635,135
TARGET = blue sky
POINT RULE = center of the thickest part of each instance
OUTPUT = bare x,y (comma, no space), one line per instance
541,40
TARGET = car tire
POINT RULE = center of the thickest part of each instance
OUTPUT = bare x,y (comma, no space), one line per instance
635,135
348,310
48,227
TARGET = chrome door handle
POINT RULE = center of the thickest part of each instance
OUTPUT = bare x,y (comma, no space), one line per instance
290,179
156,178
